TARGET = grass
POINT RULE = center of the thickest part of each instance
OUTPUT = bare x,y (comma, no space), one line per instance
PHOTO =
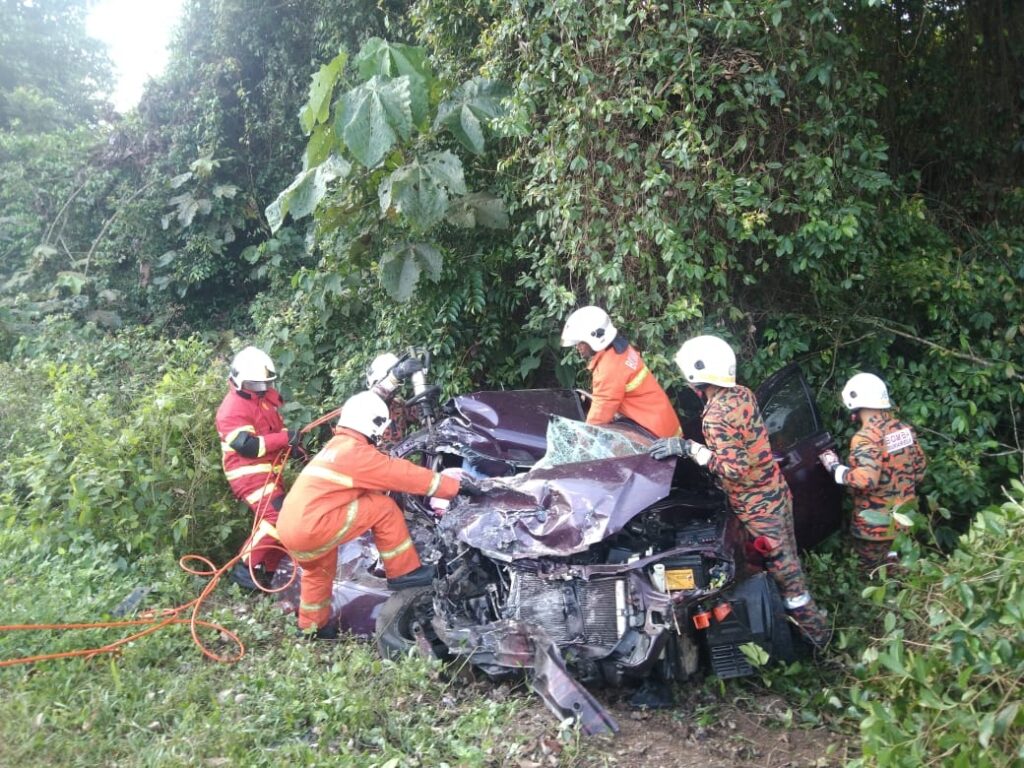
162,704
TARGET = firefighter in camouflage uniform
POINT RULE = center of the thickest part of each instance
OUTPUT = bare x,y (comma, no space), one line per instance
886,464
739,454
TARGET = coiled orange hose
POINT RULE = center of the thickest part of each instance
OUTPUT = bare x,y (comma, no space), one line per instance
157,619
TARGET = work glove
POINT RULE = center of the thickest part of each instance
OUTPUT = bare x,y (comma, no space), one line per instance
830,461
677,446
667,446
469,486
406,368
298,450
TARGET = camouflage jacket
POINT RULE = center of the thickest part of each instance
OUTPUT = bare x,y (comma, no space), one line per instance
886,464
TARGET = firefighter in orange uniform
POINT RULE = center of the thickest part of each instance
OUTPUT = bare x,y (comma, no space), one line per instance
622,384
886,464
340,495
253,442
739,454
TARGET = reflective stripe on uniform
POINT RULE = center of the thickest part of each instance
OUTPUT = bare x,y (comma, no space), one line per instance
258,494
434,485
229,438
251,469
350,518
309,607
328,474
637,380
264,529
263,449
387,555
797,602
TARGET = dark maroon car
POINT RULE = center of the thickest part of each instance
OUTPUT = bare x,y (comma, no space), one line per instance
589,563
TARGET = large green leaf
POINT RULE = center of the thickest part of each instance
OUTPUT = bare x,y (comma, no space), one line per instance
420,191
402,264
319,146
372,116
317,108
379,57
390,60
470,107
480,209
304,194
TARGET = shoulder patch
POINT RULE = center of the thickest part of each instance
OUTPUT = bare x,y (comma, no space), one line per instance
898,440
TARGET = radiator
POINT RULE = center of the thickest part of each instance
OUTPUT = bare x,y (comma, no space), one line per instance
569,611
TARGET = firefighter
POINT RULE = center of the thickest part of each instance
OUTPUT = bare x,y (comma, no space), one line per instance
622,384
386,373
739,454
253,442
886,464
340,495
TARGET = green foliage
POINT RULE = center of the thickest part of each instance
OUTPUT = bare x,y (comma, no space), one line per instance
944,679
104,437
159,704
52,75
381,122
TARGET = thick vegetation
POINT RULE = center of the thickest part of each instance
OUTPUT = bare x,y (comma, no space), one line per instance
832,183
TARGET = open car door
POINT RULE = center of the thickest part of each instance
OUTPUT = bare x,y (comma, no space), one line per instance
798,436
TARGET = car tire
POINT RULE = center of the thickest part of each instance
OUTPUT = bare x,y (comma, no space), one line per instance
400,613
783,643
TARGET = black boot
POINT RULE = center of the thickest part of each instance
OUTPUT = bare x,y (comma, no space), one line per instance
241,576
421,577
329,632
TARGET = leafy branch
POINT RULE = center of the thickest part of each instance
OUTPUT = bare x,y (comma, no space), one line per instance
381,141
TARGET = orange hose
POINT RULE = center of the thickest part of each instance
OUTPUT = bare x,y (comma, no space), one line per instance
157,619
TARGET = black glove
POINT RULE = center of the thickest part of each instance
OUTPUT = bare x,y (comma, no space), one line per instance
406,368
669,446
469,486
294,439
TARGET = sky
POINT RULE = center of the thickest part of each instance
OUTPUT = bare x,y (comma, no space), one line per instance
136,33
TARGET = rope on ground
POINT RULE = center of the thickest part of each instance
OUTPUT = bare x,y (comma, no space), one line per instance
156,619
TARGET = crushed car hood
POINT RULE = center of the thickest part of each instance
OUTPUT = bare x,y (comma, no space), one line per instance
559,510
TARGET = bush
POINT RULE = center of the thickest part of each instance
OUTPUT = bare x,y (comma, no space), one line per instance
943,683
115,435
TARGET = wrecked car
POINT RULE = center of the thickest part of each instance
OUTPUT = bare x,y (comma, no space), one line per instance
588,563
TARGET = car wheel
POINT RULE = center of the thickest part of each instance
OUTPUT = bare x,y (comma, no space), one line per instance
783,643
398,617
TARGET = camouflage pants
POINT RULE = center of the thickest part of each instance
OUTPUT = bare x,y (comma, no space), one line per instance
768,518
871,553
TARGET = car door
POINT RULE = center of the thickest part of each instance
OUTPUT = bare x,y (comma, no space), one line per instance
798,436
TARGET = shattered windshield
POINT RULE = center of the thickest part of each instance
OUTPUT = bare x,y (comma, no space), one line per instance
596,480
572,441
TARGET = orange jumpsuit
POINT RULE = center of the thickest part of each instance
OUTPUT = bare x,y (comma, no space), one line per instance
886,464
337,497
622,384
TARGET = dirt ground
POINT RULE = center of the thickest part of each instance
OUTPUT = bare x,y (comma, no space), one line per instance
701,731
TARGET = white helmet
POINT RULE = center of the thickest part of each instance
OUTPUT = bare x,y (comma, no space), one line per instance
252,369
378,369
589,324
865,390
366,413
707,360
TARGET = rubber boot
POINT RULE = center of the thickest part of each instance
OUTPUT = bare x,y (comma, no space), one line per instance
421,577
814,625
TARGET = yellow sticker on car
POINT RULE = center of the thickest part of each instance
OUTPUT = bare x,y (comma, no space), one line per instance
680,579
